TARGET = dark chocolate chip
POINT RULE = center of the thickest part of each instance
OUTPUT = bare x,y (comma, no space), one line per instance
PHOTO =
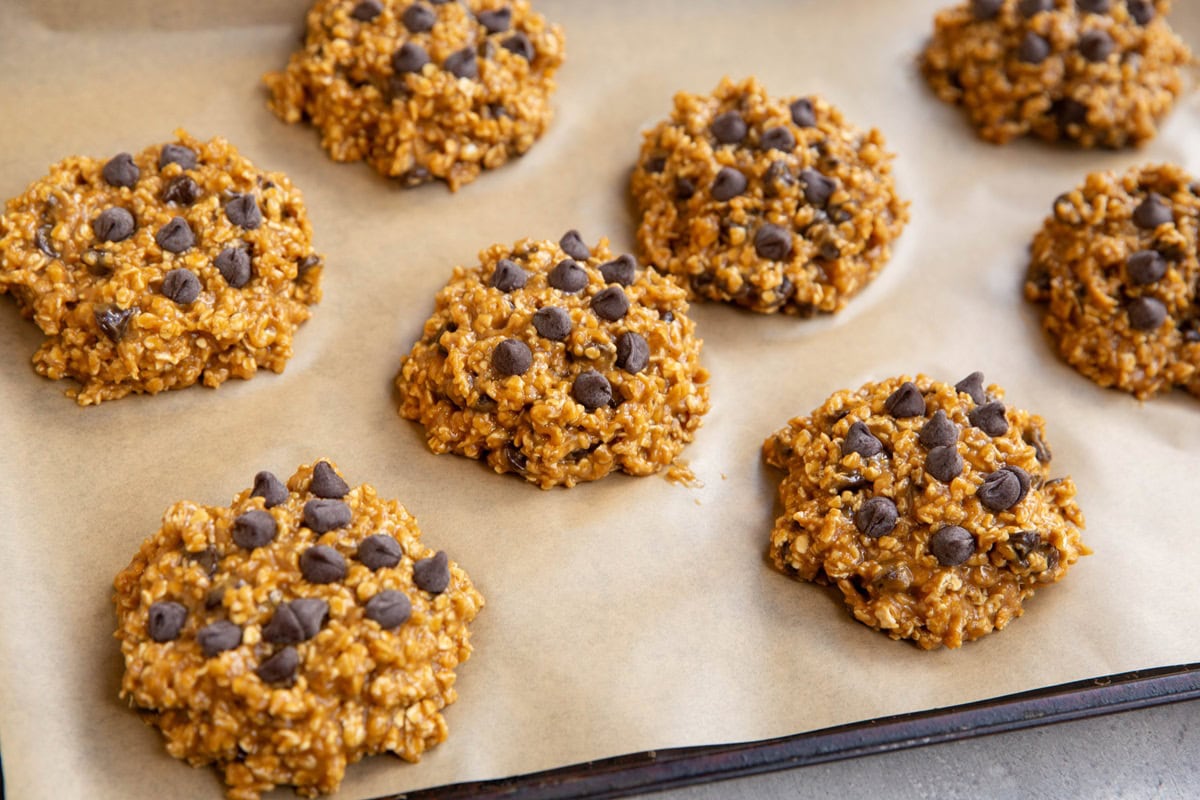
176,236
432,574
1152,212
876,517
1033,49
418,18
284,627
1041,450
572,244
519,43
1000,490
667,316
327,483
944,463
42,240
379,551
803,113
778,138
829,251
1029,8
952,545
367,10
859,439
568,277
633,352
1146,266
325,515
181,191
622,270
972,385
817,188
312,614
772,242
308,262
989,418
496,21
181,285
685,188
1024,542
121,171
177,154
1096,45
114,321
1095,6
279,668
1070,111
113,225
986,9
1142,11
214,598
389,608
234,265
728,128
517,461
322,564
552,323
1023,479
938,432
1146,313
512,357
728,184
254,529
165,620
905,401
508,276
410,57
655,164
462,63
243,210
207,559
591,390
217,637
611,303
269,488
777,176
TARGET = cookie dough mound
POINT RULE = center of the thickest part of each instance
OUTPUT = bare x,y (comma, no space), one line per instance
773,204
1116,267
1100,73
929,506
292,633
423,90
153,271
558,362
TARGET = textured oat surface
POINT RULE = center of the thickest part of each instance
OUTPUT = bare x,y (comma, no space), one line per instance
890,568
758,201
423,91
359,688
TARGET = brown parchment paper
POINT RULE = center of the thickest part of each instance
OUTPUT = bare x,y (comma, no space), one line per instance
624,615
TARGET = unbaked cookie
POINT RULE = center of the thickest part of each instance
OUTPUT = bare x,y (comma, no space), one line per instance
1116,266
153,271
773,204
292,633
559,362
929,506
1101,73
423,91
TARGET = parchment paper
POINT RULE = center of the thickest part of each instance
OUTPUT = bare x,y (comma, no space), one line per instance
624,615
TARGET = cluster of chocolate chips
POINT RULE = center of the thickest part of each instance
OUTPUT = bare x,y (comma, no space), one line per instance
513,357
299,620
1147,267
1094,45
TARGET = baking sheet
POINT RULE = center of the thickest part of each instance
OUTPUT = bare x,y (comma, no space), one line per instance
625,615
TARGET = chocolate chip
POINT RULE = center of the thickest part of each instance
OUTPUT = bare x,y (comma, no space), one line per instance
327,483
777,176
829,251
217,637
284,627
254,529
1146,313
944,463
243,210
655,164
817,188
214,598
495,21
322,564
325,515
1029,8
552,323
279,668
508,276
778,138
42,240
622,270
591,390
1095,6
176,236
728,184
113,225
1146,266
1142,11
512,357
986,9
1000,490
859,439
234,265
728,128
905,401
113,321
409,58
367,10
685,188
803,113
1096,45
952,545
1033,49
572,244
1070,111
519,43
269,488
308,262
165,620
379,551
181,285
667,316
181,191
389,608
772,242
1024,543
1041,450
121,171
177,154
568,277
633,352
876,517
611,303
1022,478
312,614
207,559
462,63
972,385
432,574
1152,212
989,418
938,432
418,18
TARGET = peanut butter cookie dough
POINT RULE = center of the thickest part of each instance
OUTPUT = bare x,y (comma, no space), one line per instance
558,362
183,263
1116,267
294,632
423,90
929,506
773,204
1100,73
